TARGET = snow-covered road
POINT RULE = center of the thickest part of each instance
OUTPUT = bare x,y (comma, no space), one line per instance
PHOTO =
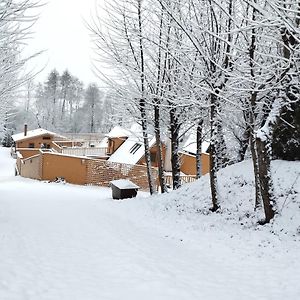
66,242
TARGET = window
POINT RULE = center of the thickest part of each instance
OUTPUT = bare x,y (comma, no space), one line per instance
31,145
135,148
46,137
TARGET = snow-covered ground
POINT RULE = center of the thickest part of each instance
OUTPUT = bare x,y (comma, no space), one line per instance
67,242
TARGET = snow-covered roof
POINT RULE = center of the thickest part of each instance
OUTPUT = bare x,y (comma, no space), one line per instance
118,131
204,147
132,149
124,184
130,152
31,133
104,142
191,146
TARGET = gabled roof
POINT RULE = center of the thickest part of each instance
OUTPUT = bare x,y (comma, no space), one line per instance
31,133
130,152
132,149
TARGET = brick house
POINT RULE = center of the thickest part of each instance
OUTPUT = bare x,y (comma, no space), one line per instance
44,155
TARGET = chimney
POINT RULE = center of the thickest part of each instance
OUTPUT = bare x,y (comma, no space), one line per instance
25,129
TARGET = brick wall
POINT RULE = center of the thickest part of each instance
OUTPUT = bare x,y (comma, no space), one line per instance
79,170
101,172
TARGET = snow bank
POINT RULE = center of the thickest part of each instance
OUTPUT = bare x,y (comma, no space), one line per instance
61,241
237,198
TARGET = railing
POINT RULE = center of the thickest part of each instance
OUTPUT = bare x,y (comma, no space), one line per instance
80,151
56,147
183,178
45,150
13,152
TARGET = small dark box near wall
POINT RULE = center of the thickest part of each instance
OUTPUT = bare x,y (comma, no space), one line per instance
123,188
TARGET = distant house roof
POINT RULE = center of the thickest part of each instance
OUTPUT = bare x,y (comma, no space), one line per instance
118,131
103,143
88,136
32,133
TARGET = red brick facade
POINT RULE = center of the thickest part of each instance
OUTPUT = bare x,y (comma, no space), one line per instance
101,172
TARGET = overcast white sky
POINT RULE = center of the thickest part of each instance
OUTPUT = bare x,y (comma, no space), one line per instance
60,31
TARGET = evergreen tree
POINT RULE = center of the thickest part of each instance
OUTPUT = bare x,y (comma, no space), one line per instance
51,89
7,140
286,141
93,107
65,81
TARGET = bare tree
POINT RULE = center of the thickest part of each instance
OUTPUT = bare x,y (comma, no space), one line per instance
122,41
15,22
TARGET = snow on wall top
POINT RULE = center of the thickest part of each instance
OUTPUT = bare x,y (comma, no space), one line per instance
31,133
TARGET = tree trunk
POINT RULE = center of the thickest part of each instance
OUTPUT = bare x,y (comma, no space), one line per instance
244,141
160,165
147,148
220,145
199,149
175,159
157,102
142,103
213,154
266,184
63,107
92,129
71,109
256,171
54,110
253,148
